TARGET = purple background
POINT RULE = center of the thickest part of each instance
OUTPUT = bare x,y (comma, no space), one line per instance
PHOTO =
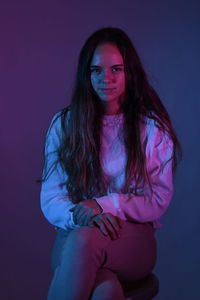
39,46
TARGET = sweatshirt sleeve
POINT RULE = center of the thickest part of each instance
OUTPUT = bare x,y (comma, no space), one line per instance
54,200
147,206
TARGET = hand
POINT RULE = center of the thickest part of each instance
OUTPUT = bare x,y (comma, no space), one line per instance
84,210
108,224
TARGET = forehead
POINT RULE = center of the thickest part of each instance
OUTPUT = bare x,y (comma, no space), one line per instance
106,54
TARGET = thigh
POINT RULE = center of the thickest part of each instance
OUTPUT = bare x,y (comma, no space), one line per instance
60,240
131,257
134,254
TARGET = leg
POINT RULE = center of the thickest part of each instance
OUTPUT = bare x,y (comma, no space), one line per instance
134,254
130,257
80,258
106,286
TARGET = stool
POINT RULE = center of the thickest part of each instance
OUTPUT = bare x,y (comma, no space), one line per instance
144,289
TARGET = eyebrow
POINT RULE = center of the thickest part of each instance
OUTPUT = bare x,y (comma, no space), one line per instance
118,65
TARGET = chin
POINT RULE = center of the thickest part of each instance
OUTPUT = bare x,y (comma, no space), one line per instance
107,98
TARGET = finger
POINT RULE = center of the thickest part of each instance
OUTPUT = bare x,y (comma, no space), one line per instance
101,225
76,213
113,231
114,222
82,218
81,210
90,224
113,226
88,220
107,227
89,216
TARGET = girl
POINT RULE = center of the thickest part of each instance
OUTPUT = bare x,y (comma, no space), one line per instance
108,174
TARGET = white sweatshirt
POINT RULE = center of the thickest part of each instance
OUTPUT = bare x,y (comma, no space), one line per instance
145,207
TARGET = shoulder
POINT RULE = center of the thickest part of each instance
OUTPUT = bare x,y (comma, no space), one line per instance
54,135
56,121
154,135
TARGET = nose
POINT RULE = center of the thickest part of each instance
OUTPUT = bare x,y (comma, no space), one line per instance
107,76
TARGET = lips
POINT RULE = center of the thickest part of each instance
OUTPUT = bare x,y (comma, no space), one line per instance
108,89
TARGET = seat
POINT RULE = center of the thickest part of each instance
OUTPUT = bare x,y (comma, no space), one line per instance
143,289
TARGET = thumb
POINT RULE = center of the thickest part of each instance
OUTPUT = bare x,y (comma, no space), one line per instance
91,223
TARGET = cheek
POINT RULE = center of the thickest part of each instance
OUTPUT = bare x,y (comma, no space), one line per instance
93,81
122,83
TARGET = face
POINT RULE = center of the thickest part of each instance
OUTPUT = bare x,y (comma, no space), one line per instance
107,73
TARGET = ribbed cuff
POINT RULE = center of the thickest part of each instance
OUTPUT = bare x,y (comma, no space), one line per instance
98,204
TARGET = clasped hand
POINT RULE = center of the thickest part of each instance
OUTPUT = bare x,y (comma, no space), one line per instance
88,213
84,211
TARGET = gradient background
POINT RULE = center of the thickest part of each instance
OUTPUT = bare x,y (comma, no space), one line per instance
39,47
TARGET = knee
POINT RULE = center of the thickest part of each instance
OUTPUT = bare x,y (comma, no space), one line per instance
85,236
107,286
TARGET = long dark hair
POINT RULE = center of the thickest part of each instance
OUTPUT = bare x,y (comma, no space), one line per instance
81,122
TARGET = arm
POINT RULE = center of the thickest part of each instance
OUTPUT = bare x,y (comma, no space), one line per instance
54,200
147,207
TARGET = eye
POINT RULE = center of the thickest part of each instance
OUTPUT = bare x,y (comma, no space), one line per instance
117,69
96,71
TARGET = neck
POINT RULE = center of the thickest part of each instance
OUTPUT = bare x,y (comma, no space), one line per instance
110,112
114,107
